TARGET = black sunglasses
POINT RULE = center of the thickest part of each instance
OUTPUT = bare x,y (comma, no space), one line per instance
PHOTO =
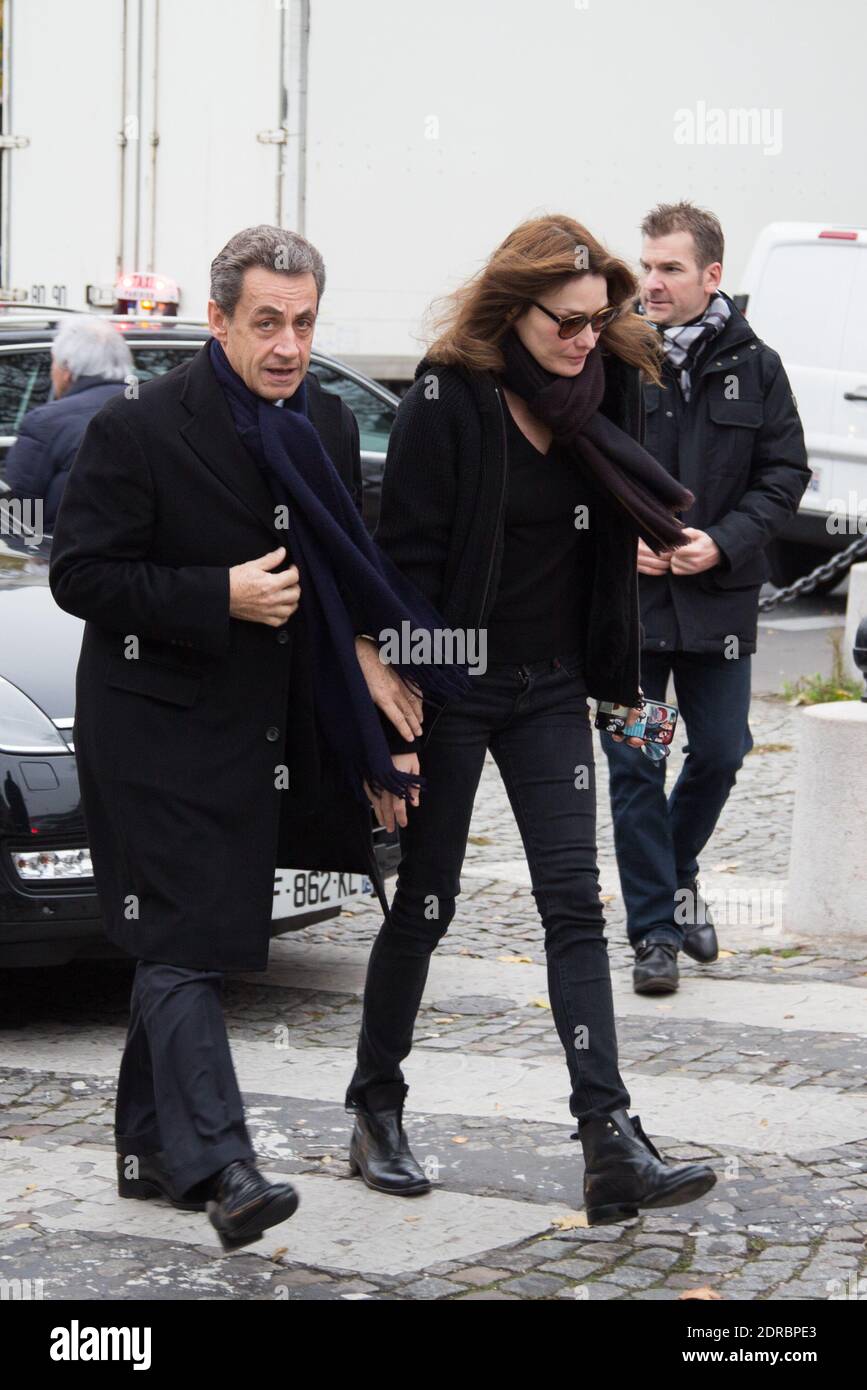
574,324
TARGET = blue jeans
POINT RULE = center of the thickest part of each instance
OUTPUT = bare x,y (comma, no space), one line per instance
658,840
535,721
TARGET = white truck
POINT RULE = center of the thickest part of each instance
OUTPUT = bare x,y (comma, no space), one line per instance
404,139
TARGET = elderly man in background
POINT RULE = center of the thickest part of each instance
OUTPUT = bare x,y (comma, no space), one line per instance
90,362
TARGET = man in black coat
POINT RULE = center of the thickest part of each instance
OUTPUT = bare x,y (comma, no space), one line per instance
724,422
198,750
90,361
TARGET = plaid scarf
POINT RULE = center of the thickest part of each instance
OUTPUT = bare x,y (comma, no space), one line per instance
684,343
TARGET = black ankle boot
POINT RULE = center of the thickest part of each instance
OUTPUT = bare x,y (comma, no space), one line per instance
379,1149
247,1204
623,1171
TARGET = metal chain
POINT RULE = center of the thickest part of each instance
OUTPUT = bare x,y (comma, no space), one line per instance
834,568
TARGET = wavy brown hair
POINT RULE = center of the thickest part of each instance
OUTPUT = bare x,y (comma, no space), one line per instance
537,256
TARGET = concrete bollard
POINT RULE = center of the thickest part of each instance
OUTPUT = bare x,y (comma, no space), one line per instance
828,863
856,609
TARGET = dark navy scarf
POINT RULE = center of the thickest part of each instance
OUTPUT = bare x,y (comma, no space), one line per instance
337,561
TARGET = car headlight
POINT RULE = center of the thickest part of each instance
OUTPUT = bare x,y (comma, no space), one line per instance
24,727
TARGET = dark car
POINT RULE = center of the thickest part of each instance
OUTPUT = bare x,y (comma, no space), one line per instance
49,912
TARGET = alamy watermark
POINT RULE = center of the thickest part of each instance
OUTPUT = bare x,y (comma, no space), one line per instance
439,646
23,517
736,125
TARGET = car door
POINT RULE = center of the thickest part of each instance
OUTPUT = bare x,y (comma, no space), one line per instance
799,308
850,406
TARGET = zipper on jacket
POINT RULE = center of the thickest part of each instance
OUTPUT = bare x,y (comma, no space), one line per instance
502,501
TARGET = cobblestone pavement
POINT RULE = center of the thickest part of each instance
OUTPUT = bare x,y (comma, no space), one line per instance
756,1065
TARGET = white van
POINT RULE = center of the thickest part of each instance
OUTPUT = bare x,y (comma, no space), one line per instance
805,294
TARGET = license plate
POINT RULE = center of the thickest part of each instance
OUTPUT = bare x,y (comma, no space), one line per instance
297,891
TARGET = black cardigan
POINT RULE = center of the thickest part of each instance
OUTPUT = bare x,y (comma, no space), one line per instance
441,520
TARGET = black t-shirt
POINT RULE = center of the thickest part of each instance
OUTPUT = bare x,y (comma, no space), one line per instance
537,612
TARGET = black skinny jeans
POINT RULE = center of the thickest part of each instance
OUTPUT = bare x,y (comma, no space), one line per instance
536,722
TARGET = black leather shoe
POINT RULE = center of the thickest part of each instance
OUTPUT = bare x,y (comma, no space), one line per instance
699,940
379,1149
655,970
623,1171
153,1181
247,1204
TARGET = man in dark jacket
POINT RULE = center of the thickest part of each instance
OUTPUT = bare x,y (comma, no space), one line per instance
725,423
90,362
199,755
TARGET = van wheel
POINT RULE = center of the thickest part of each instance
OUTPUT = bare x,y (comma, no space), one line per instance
789,560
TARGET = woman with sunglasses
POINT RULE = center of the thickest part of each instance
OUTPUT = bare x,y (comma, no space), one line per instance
513,495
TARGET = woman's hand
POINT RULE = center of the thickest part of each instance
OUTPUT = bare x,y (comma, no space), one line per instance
634,714
388,692
651,563
389,808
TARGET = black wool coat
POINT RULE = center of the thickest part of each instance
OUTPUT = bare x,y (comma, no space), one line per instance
739,446
183,749
441,519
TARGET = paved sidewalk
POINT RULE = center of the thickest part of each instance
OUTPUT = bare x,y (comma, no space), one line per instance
757,1065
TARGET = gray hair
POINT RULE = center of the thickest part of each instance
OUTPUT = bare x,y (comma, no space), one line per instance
269,247
90,346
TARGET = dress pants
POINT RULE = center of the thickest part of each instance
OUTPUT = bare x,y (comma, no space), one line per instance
177,1093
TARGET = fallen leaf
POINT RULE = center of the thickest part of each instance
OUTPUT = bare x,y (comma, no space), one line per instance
540,1003
280,1251
516,960
412,1218
726,955
703,1292
460,1139
479,840
788,1015
437,1021
571,1223
607,897
727,867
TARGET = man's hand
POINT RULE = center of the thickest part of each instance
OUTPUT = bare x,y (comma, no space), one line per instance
702,553
388,692
389,808
651,563
257,596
